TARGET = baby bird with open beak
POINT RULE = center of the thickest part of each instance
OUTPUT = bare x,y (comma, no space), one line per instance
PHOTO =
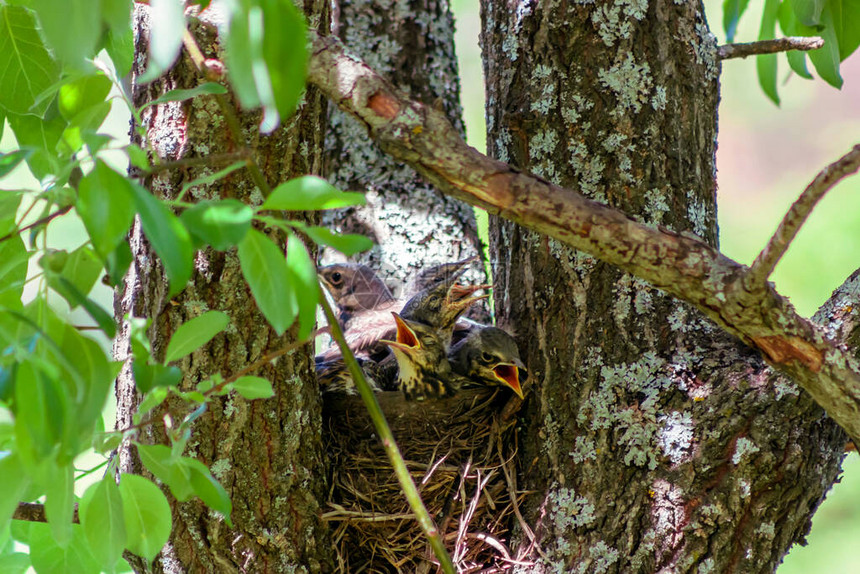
489,356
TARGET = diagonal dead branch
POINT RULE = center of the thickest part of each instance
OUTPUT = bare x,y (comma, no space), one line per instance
680,265
787,44
826,179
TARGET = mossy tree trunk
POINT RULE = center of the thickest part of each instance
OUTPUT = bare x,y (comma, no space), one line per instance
652,441
266,453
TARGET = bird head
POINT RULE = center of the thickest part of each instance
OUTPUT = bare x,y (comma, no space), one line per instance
444,302
490,356
354,287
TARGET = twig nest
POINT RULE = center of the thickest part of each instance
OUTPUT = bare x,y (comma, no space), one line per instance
457,452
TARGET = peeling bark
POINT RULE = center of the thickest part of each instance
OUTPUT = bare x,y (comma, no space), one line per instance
267,454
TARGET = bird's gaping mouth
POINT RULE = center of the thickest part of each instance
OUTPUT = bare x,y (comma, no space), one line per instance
406,338
509,376
460,297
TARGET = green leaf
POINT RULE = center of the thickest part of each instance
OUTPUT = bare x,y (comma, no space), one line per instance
241,58
808,12
84,93
47,556
161,462
207,488
285,53
103,522
117,263
13,483
106,206
72,28
116,14
147,377
846,23
26,67
83,269
788,24
42,135
120,48
310,192
40,412
13,271
60,503
15,563
826,58
732,12
195,333
166,38
147,516
75,298
766,64
265,269
83,127
9,203
250,387
346,243
303,275
221,224
209,88
168,237
9,161
150,400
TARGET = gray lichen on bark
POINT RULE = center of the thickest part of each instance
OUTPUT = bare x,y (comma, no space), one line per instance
412,224
267,454
662,444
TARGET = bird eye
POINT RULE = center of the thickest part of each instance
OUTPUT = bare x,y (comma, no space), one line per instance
487,357
336,277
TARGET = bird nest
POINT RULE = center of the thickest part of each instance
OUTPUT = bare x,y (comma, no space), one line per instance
460,452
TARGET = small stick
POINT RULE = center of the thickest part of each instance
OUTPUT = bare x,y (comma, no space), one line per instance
797,215
787,44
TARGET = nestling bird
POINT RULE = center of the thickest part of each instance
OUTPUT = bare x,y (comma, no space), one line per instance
441,305
334,377
489,356
423,367
364,303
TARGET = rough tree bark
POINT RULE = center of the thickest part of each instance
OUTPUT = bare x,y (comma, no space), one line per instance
267,454
412,224
653,441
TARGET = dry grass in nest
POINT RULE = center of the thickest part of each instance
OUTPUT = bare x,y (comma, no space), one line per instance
460,454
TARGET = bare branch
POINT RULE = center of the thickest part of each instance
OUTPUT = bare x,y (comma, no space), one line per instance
826,179
34,512
682,266
787,44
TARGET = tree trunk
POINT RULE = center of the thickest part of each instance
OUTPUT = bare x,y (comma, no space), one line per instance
267,454
412,224
652,440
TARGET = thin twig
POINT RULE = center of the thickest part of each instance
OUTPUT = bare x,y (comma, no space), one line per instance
210,160
40,221
787,44
35,512
388,443
826,179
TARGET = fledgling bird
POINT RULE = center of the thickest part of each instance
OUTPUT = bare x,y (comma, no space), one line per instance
365,304
334,377
422,362
489,356
442,304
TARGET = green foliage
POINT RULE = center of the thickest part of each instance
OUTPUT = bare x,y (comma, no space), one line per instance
54,378
837,22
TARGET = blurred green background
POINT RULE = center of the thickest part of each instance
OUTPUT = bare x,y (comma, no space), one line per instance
766,156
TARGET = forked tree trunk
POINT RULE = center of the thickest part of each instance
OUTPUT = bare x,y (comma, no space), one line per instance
267,454
412,224
653,442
